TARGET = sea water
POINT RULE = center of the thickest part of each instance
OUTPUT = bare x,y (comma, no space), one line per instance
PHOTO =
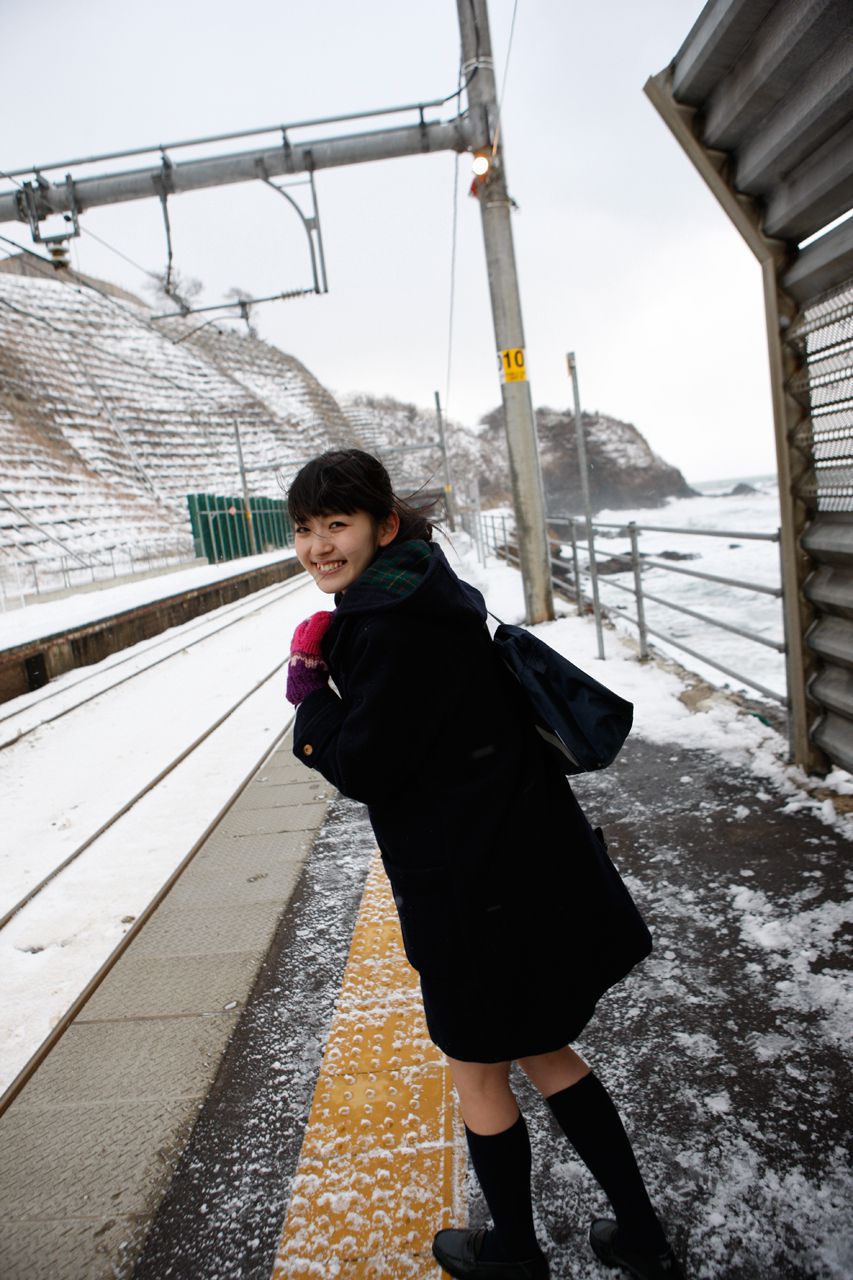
729,557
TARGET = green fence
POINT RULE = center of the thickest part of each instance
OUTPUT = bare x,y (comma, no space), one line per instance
221,528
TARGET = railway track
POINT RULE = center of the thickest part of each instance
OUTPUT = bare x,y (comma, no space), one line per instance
60,905
26,720
134,799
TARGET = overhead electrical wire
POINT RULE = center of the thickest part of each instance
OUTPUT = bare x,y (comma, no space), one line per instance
96,391
452,285
80,284
455,224
145,271
503,83
92,346
191,391
163,147
455,94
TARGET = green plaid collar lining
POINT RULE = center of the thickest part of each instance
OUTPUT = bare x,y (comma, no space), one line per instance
400,569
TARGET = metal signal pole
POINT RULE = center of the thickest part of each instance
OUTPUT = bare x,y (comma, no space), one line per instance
583,468
525,471
247,510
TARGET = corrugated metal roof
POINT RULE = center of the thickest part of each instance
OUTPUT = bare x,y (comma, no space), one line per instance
772,83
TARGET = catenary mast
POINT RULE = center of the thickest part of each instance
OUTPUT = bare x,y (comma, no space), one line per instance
525,471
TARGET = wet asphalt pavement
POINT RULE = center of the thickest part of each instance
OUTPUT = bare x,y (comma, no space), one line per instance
724,1051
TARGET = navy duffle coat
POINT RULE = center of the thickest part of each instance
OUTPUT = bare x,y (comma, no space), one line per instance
510,908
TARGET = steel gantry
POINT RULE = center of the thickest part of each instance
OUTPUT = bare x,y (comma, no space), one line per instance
474,130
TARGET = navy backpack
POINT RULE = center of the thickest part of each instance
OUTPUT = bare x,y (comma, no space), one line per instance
583,722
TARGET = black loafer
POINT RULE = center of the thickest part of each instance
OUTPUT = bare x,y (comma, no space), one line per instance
459,1254
609,1249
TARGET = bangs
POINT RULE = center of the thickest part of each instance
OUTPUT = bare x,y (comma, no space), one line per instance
339,482
319,490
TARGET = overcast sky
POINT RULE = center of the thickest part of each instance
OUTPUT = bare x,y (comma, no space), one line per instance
623,254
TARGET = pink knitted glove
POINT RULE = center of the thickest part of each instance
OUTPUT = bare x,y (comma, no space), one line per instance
306,670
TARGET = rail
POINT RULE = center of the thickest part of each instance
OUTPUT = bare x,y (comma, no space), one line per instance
496,533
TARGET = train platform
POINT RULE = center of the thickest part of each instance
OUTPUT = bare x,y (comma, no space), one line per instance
251,1092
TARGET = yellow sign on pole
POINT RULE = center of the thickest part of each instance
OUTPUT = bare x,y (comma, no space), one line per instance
511,364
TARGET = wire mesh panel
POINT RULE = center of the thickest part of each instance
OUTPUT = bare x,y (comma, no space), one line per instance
823,337
823,333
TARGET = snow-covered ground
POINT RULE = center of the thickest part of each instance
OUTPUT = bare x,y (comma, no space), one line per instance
97,756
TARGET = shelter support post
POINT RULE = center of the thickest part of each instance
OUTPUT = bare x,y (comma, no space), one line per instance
794,466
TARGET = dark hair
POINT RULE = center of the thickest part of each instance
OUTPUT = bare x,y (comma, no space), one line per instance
350,480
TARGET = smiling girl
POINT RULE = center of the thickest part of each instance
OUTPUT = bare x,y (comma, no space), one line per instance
511,912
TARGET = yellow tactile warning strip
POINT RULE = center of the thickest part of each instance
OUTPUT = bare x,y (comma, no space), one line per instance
380,1169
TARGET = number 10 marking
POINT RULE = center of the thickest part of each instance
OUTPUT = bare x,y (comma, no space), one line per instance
511,364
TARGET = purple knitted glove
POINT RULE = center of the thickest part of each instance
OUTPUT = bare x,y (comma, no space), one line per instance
306,671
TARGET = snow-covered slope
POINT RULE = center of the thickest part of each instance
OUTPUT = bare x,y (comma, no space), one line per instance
108,419
400,432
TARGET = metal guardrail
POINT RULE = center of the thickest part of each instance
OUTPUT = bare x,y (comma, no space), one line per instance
496,535
27,577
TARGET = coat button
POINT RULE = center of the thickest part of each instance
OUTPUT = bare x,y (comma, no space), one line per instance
307,750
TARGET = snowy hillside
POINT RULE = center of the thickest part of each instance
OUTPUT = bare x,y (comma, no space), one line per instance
108,419
392,427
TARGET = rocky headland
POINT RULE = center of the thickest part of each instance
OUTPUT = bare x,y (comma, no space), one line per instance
624,471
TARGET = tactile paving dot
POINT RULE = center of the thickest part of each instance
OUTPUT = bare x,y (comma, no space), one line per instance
380,1163
382,1043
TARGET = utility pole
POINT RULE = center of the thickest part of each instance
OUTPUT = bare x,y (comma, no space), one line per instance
448,478
524,468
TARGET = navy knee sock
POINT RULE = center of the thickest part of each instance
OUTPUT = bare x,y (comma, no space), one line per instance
502,1164
587,1115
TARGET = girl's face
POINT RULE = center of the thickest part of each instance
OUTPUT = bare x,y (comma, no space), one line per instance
336,549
